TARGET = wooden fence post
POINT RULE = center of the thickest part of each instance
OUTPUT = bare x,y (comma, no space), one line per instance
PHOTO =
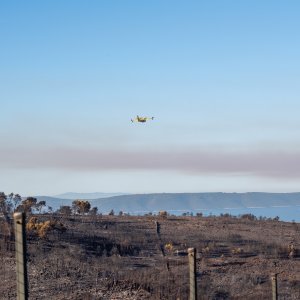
193,271
274,286
21,263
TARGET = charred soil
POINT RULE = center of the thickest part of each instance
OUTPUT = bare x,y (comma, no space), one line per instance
130,257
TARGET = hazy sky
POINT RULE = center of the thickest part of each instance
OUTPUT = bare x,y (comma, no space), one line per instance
221,78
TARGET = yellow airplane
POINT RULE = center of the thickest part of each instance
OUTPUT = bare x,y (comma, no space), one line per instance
141,119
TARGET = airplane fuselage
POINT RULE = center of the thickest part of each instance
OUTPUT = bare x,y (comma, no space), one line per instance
141,119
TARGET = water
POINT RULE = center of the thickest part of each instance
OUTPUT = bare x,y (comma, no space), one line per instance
285,213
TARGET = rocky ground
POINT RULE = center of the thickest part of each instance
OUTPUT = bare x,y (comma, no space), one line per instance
126,257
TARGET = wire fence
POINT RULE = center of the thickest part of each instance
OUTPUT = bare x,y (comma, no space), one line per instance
130,257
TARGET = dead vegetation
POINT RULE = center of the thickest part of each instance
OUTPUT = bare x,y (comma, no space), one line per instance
42,229
126,257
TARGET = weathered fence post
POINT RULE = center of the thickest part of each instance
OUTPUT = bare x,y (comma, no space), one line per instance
21,264
157,227
274,286
193,271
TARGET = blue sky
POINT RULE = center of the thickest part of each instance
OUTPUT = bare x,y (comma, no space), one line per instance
221,79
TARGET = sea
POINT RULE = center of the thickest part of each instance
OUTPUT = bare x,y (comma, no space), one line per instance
285,213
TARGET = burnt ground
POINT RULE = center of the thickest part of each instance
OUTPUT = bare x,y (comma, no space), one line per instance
127,257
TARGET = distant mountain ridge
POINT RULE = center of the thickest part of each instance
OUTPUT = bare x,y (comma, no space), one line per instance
87,196
189,202
195,201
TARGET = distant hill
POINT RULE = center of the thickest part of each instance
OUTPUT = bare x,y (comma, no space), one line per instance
67,198
195,201
87,196
53,202
185,202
